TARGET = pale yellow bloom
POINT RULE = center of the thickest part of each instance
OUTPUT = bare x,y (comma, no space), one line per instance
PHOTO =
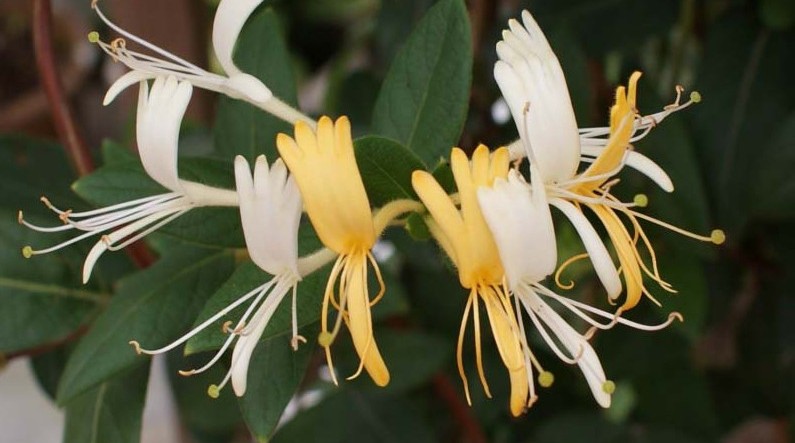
324,167
465,237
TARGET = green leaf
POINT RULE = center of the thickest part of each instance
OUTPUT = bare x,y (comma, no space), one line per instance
32,168
154,307
274,374
350,416
111,412
209,419
686,273
400,350
423,101
48,368
246,278
386,167
580,427
774,189
240,128
745,84
113,152
42,297
126,180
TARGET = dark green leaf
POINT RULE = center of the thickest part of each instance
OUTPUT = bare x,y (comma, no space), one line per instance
42,298
274,374
154,307
110,412
247,277
48,368
386,167
209,419
240,128
423,101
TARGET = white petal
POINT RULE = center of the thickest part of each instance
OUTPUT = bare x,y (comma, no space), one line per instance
270,212
642,164
602,263
123,83
157,128
91,259
520,221
230,17
532,82
575,343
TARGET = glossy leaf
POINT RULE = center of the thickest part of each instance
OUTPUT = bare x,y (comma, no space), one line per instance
423,101
274,374
386,167
110,412
240,128
154,307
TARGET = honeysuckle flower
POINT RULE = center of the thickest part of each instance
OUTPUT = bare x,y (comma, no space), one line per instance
336,202
270,212
532,82
230,17
160,113
465,237
519,218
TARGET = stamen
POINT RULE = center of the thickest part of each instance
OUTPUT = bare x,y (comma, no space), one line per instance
609,387
563,267
93,36
213,391
478,353
641,200
459,355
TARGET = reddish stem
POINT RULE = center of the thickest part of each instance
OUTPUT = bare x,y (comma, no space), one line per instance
61,112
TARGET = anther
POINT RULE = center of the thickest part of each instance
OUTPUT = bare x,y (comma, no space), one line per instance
20,218
94,4
609,387
213,391
641,200
695,97
226,327
93,36
27,252
136,346
186,373
297,339
46,202
64,216
546,379
325,339
106,239
718,236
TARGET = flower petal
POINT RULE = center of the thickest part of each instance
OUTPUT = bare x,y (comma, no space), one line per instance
230,17
532,82
521,223
123,83
159,117
642,164
602,263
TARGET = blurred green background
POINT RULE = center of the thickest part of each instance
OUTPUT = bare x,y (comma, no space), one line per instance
726,374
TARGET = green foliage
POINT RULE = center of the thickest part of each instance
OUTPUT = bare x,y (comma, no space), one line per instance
241,129
109,412
386,167
153,307
423,101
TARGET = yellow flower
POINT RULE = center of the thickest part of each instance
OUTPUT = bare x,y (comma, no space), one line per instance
324,167
465,237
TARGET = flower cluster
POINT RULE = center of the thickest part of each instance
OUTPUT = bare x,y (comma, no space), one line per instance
497,229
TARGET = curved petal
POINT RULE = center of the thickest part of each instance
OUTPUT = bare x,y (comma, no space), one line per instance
642,164
532,82
270,213
230,17
159,118
602,263
574,343
123,83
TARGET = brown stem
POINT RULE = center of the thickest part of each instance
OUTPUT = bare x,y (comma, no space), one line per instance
61,112
460,411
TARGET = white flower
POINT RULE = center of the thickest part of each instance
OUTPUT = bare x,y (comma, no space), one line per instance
160,113
230,17
519,219
532,82
270,212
